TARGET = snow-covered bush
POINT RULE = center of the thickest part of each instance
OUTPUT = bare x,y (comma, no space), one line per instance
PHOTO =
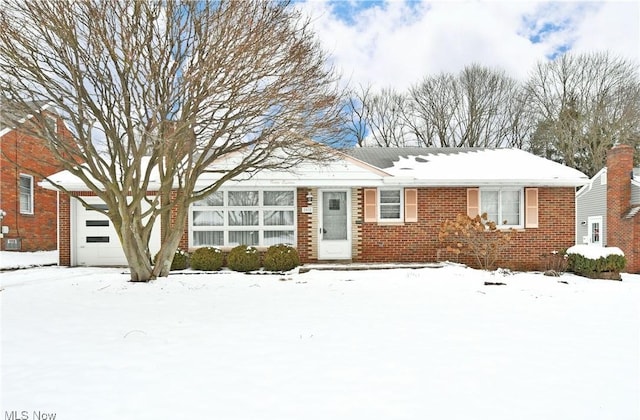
596,262
180,260
207,259
243,258
281,258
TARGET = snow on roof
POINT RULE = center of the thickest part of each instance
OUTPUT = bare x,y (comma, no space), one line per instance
469,166
401,167
73,183
10,113
594,252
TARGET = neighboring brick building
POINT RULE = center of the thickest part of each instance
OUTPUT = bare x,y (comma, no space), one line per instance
31,211
608,208
371,205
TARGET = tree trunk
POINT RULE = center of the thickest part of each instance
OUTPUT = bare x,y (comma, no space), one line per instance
138,259
167,251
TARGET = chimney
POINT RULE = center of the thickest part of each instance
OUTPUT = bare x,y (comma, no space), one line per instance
619,172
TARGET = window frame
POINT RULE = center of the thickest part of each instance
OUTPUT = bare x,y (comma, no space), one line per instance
261,228
379,205
31,200
500,191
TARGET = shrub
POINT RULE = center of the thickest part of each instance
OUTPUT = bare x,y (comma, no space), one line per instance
594,267
475,236
207,259
281,258
243,258
555,263
180,260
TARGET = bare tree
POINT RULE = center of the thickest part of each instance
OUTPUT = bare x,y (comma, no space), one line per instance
583,105
486,96
387,113
163,91
434,101
476,108
358,125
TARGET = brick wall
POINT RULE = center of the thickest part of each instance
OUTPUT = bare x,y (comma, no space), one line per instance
621,231
305,227
418,242
23,154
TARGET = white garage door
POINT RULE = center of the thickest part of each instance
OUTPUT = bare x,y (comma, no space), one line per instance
96,240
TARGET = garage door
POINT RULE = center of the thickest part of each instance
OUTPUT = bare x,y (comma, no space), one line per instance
96,240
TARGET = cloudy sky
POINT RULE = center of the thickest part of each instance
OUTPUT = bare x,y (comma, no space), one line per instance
396,43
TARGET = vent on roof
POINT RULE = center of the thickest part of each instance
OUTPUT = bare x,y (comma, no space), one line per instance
421,160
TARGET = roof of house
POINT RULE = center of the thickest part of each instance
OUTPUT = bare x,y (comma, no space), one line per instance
379,167
10,114
468,166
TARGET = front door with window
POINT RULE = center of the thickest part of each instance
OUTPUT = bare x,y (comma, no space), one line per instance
594,230
334,236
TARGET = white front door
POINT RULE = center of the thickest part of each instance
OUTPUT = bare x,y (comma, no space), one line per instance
594,230
334,238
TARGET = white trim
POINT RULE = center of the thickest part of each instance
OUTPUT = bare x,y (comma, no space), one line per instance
21,121
73,230
590,221
589,185
260,227
379,205
341,249
31,194
58,225
412,182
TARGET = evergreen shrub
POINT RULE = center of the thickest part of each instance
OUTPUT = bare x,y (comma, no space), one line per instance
180,260
243,258
590,267
281,258
207,259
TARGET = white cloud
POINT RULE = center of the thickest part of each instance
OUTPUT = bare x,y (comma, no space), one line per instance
397,44
614,27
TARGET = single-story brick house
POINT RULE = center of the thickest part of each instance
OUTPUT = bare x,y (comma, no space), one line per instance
30,211
608,207
369,205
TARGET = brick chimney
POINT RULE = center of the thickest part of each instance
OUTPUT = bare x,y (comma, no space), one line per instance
620,230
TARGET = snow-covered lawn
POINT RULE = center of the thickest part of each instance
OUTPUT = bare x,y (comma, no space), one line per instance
10,260
431,343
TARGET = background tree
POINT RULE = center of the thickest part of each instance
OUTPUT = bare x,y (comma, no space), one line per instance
476,108
479,107
434,101
583,105
358,121
387,111
163,91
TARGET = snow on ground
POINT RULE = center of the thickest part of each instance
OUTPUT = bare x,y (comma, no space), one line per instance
430,343
10,260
